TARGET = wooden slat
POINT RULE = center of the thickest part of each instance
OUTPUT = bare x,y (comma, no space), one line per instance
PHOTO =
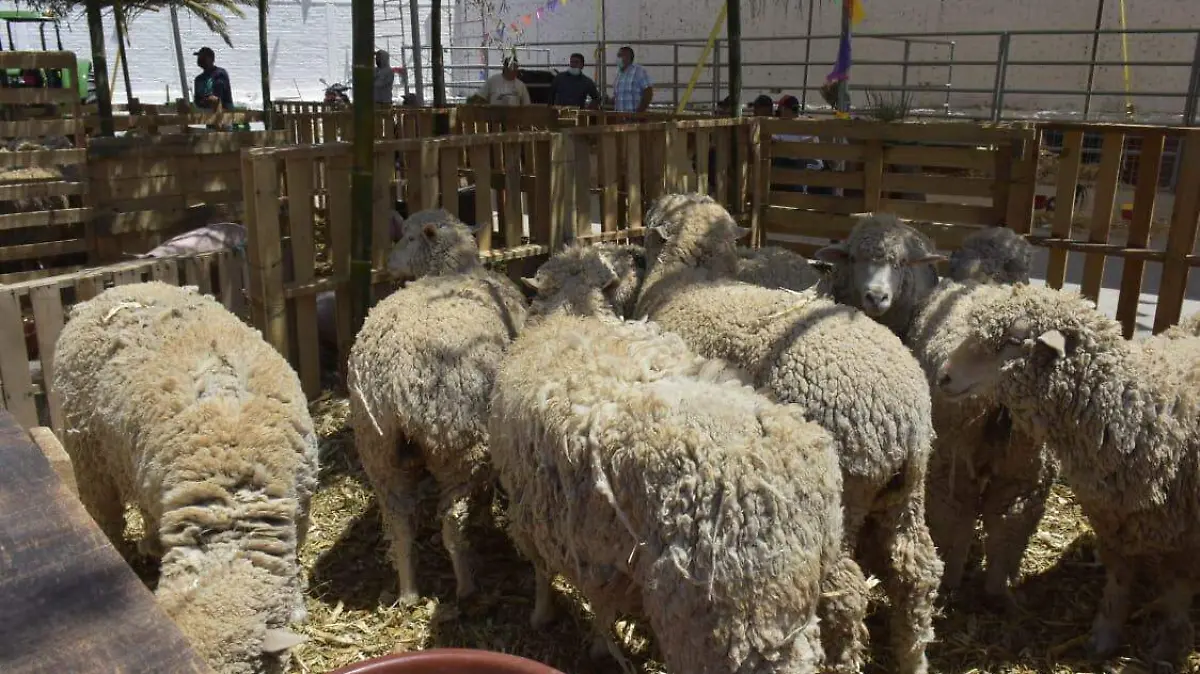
448,177
975,134
818,202
36,250
47,188
1064,206
48,318
946,157
583,186
703,145
1105,193
609,182
32,128
480,158
340,213
264,250
722,183
30,219
14,362
513,213
782,221
197,273
844,180
301,226
939,185
1022,193
540,197
1144,196
42,158
825,151
166,270
32,96
1181,238
633,179
385,204
873,154
940,212
560,195
428,177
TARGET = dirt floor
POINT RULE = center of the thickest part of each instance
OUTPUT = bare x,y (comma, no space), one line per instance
353,616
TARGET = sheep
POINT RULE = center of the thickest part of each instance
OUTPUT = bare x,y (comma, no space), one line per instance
678,492
420,372
1121,419
773,267
173,404
981,468
851,375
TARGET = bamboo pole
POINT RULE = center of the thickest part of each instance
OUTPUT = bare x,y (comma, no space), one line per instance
183,86
419,79
264,63
119,21
362,211
100,66
734,31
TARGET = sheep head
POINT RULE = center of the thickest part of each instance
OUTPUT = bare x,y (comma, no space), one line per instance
883,265
992,255
433,242
692,230
599,280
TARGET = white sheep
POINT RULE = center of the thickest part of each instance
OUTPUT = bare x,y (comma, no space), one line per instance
981,468
851,375
661,485
1122,420
173,404
419,374
774,267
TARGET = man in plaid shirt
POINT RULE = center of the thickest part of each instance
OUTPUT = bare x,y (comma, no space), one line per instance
633,90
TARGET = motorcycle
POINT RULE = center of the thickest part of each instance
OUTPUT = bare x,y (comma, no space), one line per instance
335,94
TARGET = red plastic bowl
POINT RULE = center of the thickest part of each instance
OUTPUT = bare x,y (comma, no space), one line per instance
447,661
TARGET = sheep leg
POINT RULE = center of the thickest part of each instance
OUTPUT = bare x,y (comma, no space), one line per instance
393,471
1175,634
455,509
1114,605
543,602
915,571
950,517
1012,509
842,610
603,642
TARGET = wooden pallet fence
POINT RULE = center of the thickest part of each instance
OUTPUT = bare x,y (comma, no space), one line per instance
145,190
1134,247
947,179
306,123
299,247
32,314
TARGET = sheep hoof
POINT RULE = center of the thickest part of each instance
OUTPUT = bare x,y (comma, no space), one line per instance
407,598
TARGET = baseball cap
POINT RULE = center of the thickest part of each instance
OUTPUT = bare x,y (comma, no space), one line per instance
763,99
203,50
789,102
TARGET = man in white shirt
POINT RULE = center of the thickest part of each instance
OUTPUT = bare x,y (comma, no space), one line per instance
503,89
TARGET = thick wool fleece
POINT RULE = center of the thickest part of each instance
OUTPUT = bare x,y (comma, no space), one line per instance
420,373
773,267
849,374
980,467
432,243
172,403
678,492
1123,420
601,279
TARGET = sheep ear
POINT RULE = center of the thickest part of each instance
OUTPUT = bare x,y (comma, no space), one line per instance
834,253
739,232
932,258
279,640
531,281
661,231
429,230
1055,341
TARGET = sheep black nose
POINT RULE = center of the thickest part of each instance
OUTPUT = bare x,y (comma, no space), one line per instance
943,380
877,298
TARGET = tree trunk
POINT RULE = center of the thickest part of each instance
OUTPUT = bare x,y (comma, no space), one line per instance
264,63
100,67
119,22
362,176
437,67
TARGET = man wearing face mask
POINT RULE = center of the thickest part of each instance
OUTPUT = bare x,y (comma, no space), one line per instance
633,89
572,88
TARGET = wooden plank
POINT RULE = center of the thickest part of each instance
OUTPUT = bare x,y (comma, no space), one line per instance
703,146
127,275
939,185
782,221
722,185
760,149
1064,207
48,317
844,180
301,226
173,145
514,225
818,202
873,175
1022,193
824,151
86,288
230,277
974,134
933,211
633,179
945,157
340,212
1181,238
166,270
264,250
583,185
42,158
197,273
1144,196
32,128
48,249
448,179
429,177
45,188
540,197
560,195
480,158
609,182
14,362
1002,181
57,457
68,600
381,213
184,182
1105,192
31,96
30,219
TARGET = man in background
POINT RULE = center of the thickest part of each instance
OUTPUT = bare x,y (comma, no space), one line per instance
212,91
504,88
572,88
385,79
633,89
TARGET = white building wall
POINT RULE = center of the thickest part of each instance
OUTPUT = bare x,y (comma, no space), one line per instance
310,39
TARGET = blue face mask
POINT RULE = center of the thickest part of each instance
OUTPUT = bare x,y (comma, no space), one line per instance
574,71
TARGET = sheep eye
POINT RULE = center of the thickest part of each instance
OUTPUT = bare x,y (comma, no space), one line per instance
1015,341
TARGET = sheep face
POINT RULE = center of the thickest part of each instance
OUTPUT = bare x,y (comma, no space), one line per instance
882,260
663,218
992,255
432,241
584,281
1015,341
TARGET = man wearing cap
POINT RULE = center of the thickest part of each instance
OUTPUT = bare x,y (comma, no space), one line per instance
211,87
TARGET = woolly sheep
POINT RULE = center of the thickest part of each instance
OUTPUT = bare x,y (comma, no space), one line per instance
981,468
773,267
852,376
1122,420
678,492
173,404
420,373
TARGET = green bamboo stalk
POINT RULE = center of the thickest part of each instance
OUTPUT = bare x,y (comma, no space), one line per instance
363,33
264,63
100,66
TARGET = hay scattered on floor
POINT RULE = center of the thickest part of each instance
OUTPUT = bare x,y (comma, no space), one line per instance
353,615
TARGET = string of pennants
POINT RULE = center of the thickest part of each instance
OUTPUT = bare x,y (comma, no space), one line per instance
516,26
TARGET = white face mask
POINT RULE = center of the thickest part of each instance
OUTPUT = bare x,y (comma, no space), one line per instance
574,71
